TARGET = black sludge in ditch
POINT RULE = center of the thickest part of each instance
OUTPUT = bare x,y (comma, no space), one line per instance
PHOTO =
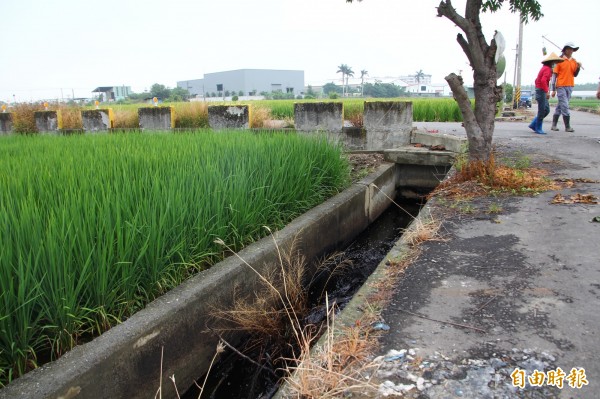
254,371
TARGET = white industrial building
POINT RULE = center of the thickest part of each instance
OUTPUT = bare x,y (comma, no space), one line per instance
429,90
113,93
249,82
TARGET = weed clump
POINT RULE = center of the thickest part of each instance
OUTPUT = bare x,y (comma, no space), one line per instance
478,178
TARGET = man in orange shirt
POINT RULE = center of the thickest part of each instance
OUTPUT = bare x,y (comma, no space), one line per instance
563,80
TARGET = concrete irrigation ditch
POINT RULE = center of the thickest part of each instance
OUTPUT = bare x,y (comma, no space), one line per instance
169,336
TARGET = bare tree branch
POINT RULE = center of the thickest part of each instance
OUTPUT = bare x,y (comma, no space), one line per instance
445,9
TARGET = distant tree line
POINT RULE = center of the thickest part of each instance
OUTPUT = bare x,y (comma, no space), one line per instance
377,90
163,93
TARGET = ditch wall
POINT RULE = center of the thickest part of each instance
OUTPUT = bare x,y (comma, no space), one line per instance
97,120
48,121
156,118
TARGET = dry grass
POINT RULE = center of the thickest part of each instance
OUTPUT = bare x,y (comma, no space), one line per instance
71,117
337,368
190,115
265,314
259,116
422,229
477,178
24,118
279,303
277,313
125,119
356,120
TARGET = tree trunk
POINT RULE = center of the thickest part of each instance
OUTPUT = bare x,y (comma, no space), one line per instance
479,123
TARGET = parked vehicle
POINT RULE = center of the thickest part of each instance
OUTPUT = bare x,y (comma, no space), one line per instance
525,99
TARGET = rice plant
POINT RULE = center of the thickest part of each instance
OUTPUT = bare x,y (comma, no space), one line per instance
94,227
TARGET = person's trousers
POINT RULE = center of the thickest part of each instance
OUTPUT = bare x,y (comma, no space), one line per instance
543,106
564,96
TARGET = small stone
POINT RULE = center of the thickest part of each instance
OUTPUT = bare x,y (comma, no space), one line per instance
497,363
548,356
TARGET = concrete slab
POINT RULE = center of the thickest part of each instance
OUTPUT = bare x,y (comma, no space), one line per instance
419,156
448,141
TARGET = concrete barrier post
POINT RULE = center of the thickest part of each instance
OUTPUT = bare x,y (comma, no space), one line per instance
97,120
6,122
388,124
310,117
48,121
156,118
229,116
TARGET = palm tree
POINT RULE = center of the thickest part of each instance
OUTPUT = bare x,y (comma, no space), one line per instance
349,72
419,75
363,73
342,69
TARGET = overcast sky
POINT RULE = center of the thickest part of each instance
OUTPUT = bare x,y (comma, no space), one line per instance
53,49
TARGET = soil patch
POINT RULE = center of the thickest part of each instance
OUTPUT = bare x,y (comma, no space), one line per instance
364,163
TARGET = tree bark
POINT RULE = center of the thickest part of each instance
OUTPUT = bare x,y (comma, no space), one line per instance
479,124
475,135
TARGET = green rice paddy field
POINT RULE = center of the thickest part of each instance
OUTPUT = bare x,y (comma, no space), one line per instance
93,227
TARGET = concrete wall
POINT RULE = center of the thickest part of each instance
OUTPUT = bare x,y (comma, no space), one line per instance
388,124
156,118
6,122
48,121
97,120
353,138
229,116
125,362
310,117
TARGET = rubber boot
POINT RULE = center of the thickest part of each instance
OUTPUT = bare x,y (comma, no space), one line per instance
567,120
538,127
554,122
533,124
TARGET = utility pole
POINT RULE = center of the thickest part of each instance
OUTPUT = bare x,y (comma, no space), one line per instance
515,77
519,62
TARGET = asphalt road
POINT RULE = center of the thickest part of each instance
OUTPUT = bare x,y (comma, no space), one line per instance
526,279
